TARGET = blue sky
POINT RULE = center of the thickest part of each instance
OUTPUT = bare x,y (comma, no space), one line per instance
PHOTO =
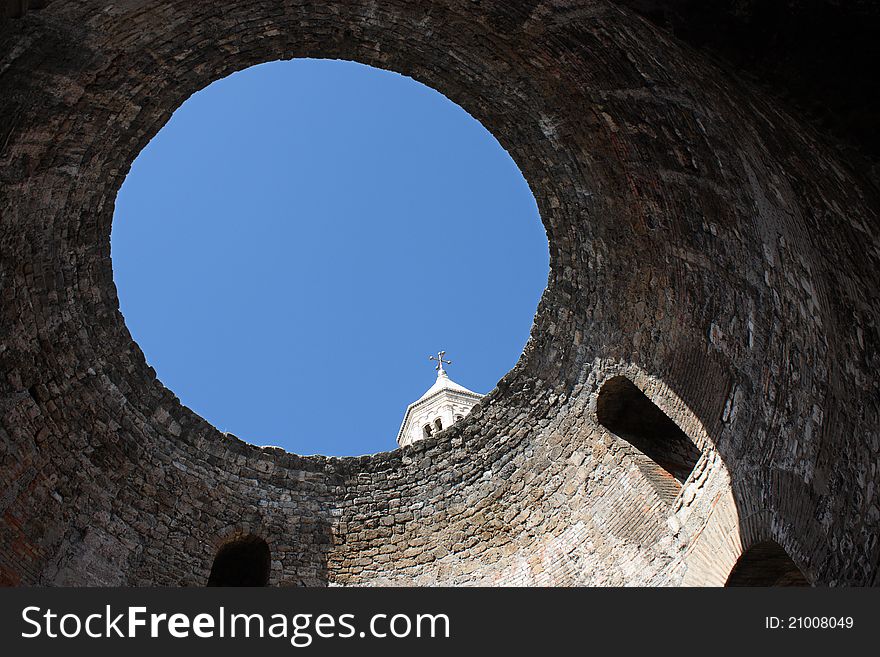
300,236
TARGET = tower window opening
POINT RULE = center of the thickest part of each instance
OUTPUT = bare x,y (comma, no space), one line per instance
427,431
438,425
243,562
663,452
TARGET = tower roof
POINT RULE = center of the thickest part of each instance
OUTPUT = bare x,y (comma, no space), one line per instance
443,387
443,382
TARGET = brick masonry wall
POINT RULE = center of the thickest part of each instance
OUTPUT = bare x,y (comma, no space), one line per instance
702,243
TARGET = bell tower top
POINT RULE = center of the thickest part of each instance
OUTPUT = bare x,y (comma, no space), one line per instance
442,405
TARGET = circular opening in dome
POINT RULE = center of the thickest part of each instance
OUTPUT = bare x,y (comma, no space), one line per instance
301,235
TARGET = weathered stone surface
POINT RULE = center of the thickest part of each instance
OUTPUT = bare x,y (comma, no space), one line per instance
703,244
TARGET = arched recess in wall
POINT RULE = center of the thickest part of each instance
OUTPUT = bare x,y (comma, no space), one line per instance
663,452
245,561
766,564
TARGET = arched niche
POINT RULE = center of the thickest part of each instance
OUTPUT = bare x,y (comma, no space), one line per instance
663,452
766,564
245,561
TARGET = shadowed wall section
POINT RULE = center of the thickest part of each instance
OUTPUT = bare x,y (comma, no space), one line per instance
703,245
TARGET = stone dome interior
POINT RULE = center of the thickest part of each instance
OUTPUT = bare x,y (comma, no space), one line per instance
714,267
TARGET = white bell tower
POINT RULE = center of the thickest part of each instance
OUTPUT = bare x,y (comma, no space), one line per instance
442,405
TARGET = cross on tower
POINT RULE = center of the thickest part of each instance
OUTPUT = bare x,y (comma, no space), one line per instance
440,360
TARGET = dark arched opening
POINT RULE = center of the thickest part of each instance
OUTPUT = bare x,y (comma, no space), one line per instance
664,453
243,562
766,564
